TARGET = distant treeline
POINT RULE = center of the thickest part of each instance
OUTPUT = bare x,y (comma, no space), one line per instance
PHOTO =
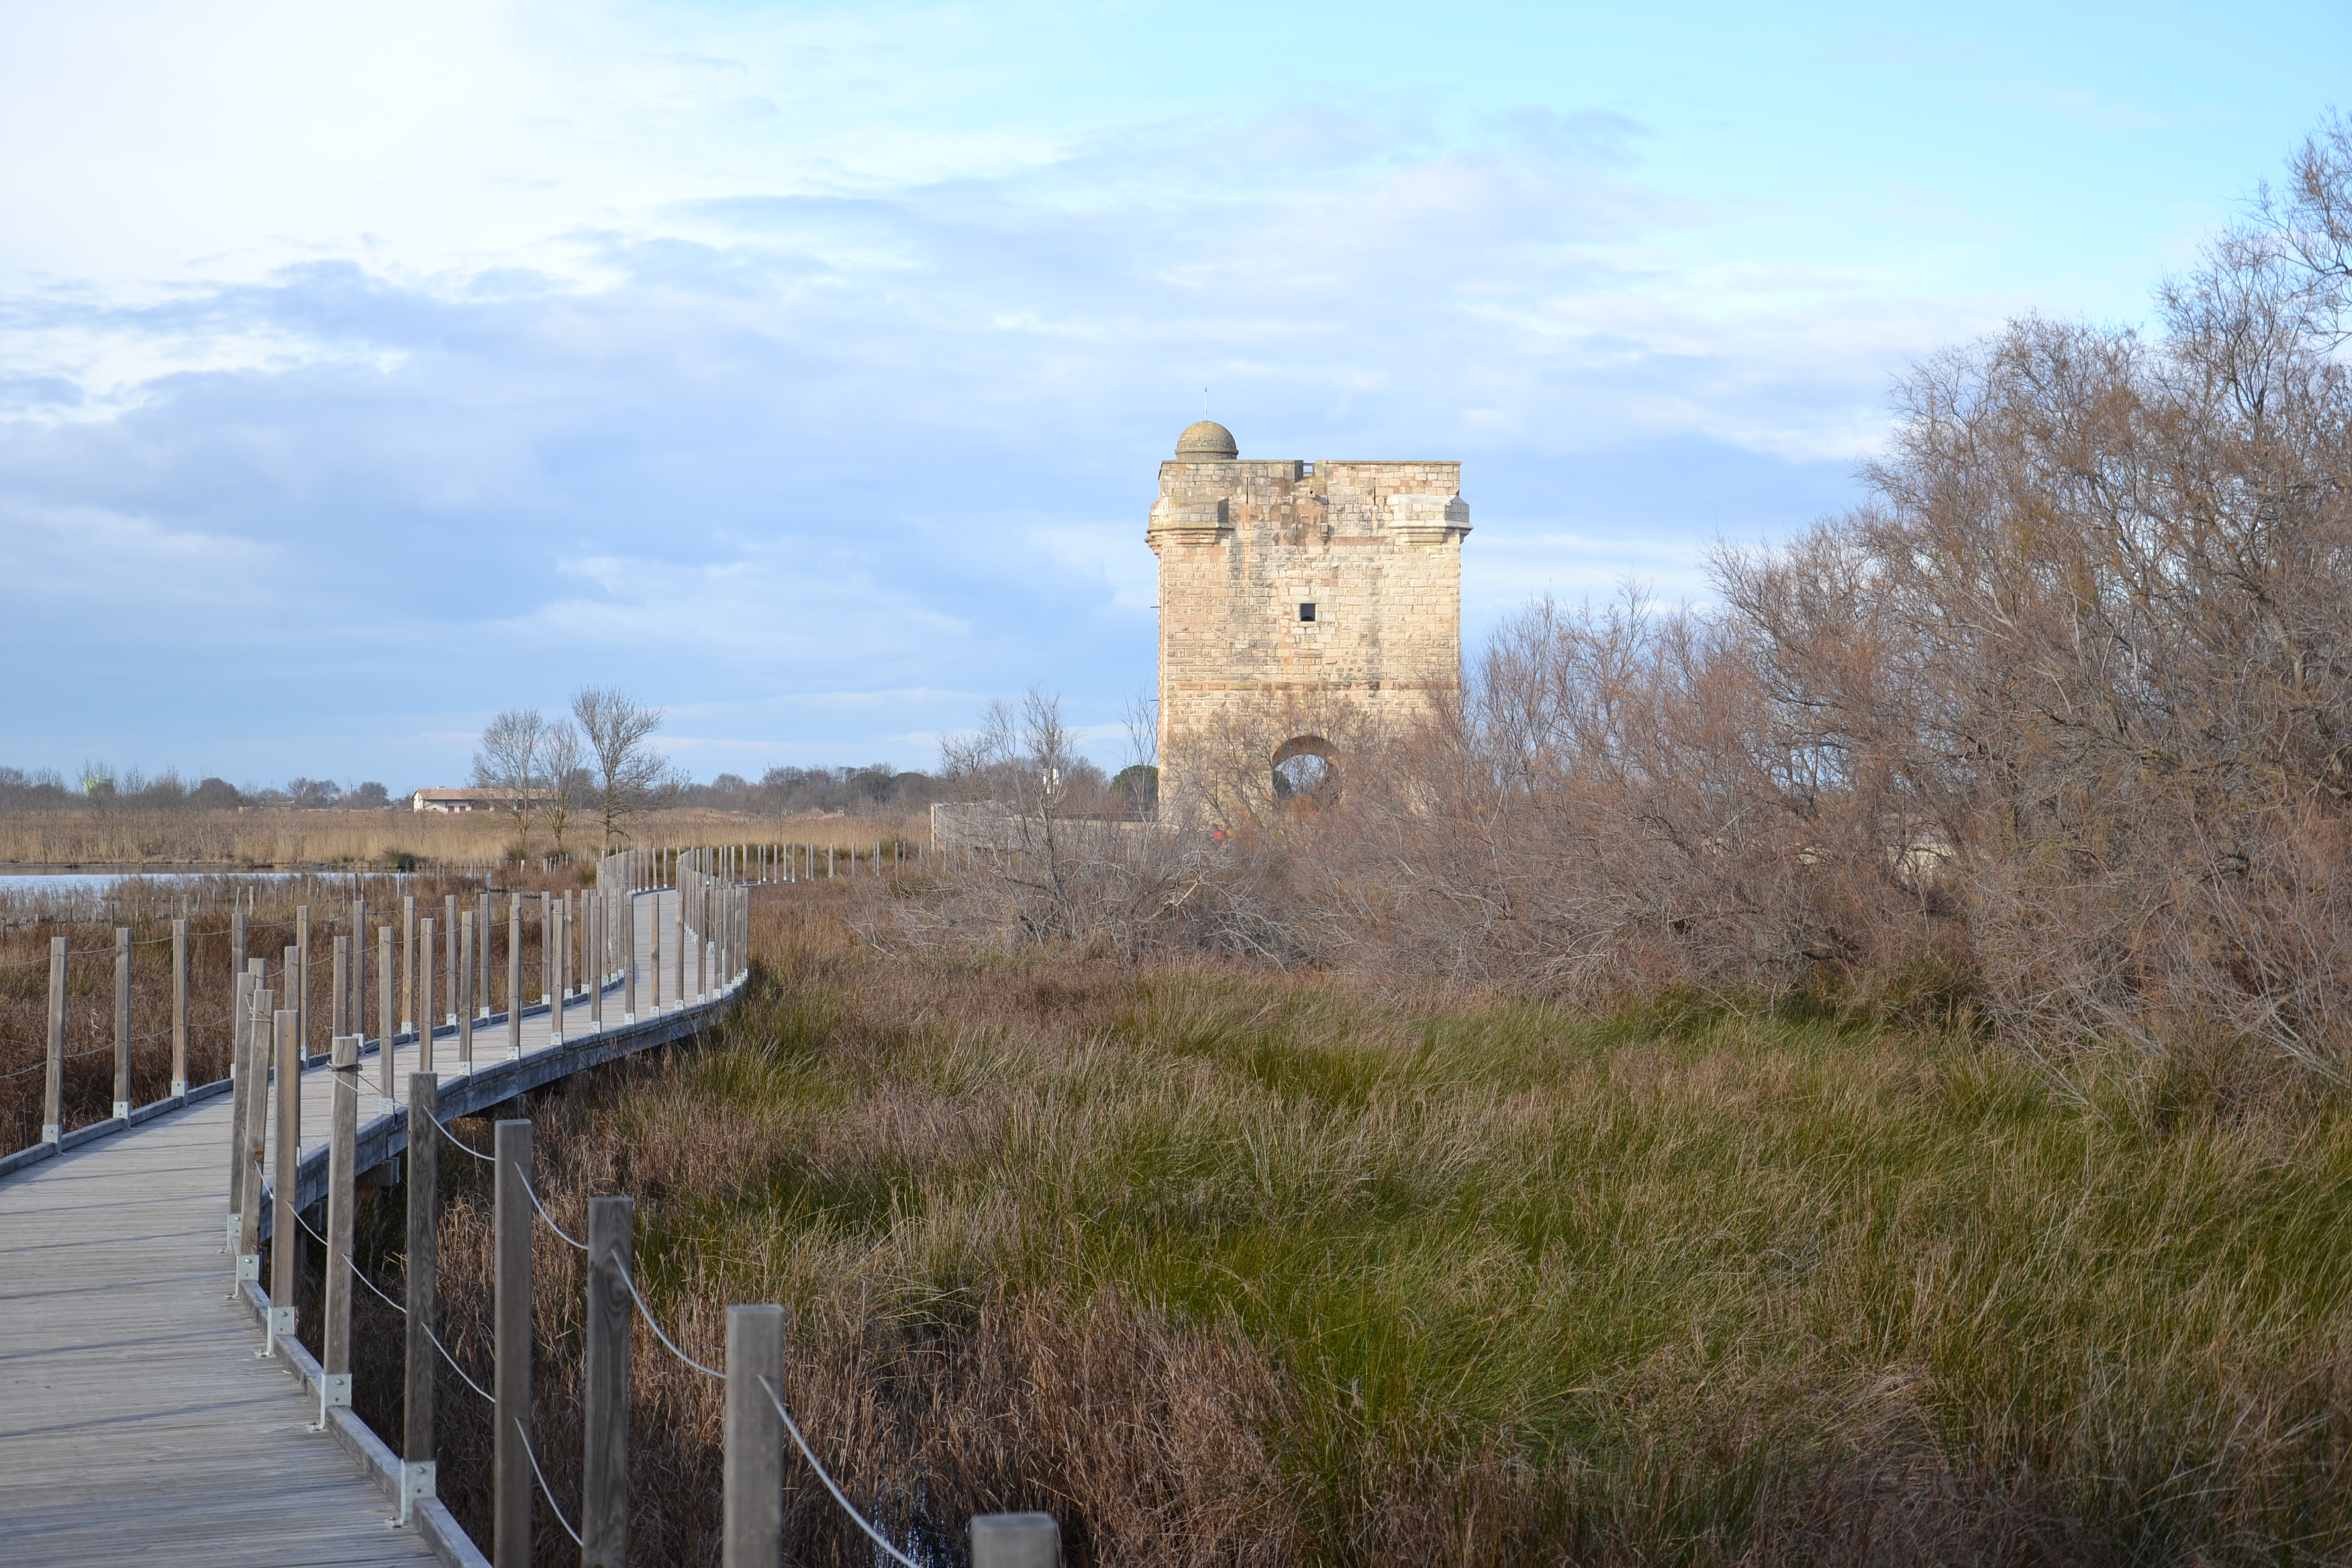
779,792
96,785
782,792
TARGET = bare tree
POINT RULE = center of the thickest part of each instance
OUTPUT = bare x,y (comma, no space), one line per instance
509,764
629,773
1142,721
562,765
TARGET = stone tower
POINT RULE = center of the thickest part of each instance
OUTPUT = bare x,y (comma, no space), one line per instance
1300,604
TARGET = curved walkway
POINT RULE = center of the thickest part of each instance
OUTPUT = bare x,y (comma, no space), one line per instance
138,1423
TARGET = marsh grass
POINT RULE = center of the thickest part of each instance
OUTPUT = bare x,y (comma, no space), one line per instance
1227,1266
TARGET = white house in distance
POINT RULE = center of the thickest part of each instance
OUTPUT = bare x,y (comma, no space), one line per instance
459,800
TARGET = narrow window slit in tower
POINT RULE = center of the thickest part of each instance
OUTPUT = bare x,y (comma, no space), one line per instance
1306,612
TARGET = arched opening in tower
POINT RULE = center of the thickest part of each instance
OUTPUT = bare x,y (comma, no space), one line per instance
1305,771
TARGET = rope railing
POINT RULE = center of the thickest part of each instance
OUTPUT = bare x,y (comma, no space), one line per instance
361,1275
544,1490
810,1455
628,1278
443,1130
532,1195
488,1397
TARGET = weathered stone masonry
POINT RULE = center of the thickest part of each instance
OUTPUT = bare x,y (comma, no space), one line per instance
1375,548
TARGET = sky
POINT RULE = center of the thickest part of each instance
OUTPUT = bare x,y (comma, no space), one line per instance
805,369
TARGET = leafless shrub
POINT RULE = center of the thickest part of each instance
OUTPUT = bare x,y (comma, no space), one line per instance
2059,723
1048,855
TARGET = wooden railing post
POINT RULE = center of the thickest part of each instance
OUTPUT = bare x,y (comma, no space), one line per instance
626,911
464,982
546,949
595,908
240,1094
559,938
358,1010
450,937
298,979
514,978
256,1041
236,938
338,1022
342,1183
429,1021
408,1011
122,1023
291,984
180,1008
384,1020
604,1385
483,925
752,1507
422,1269
677,937
285,1234
1015,1541
511,1466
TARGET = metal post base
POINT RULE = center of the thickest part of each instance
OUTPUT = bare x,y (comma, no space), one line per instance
415,1486
334,1394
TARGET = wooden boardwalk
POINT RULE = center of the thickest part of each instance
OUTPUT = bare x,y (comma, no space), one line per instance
138,1424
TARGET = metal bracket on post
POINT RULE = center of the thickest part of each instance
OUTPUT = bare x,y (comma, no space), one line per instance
281,1321
554,1037
179,1089
334,1394
249,1269
1015,1541
52,1133
415,1486
121,1111
229,1245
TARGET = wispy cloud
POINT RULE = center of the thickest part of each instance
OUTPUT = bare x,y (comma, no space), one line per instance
805,368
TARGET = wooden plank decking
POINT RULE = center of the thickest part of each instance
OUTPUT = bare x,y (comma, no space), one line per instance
137,1424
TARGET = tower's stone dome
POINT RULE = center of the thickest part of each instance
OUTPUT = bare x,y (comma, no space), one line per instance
1206,442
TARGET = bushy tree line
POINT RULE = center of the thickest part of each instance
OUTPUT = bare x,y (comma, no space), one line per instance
99,785
787,791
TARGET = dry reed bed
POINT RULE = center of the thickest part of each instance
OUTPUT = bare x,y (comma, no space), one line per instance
266,837
1224,1266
